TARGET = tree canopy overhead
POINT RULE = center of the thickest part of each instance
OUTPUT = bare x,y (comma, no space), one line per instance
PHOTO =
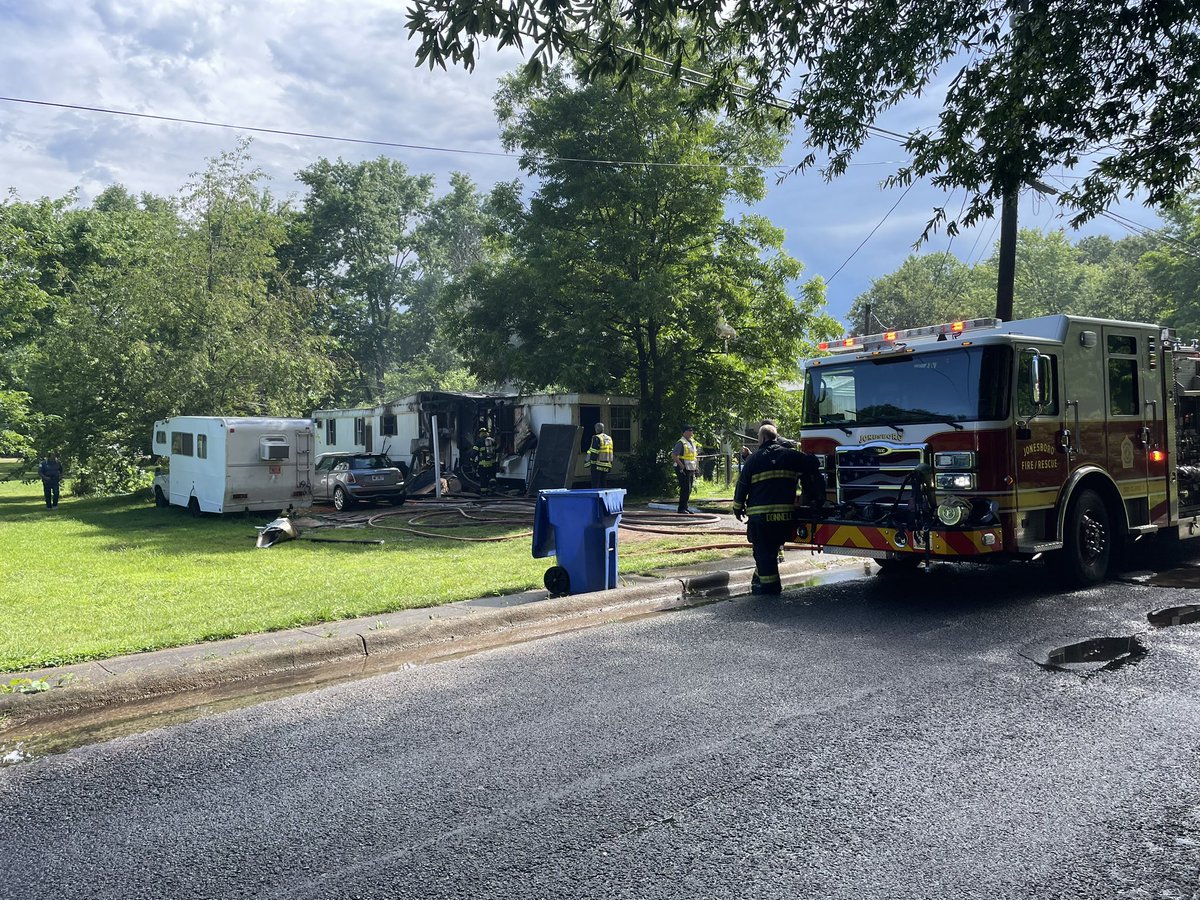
630,277
1112,88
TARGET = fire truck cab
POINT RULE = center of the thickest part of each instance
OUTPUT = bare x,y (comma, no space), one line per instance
984,441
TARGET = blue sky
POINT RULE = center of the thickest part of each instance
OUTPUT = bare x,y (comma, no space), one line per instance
347,69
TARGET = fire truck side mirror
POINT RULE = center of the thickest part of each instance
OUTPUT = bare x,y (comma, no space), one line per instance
1039,378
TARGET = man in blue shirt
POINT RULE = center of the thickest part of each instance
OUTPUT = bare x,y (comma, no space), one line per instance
50,470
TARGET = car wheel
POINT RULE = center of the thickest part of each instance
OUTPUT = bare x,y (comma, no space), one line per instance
399,501
341,499
160,498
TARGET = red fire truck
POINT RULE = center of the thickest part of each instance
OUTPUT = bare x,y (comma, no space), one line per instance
985,440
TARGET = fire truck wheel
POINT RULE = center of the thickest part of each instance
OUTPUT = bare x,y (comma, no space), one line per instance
905,566
1087,541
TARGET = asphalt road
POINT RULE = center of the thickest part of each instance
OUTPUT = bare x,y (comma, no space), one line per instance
875,738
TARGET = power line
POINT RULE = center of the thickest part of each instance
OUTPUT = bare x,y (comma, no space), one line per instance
829,280
395,144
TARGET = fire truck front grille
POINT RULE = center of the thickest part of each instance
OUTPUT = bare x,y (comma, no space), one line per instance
875,473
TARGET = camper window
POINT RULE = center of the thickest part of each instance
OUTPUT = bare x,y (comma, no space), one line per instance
181,443
202,446
360,431
387,425
621,428
331,432
160,437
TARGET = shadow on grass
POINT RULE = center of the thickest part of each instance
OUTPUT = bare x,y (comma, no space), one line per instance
131,523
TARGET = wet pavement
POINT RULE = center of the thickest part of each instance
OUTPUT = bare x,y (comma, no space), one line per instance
870,738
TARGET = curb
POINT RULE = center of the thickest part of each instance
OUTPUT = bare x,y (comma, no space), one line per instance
242,666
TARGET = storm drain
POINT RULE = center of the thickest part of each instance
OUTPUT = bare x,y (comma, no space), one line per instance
1095,655
1175,615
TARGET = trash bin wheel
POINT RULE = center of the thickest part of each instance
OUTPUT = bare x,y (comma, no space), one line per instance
557,580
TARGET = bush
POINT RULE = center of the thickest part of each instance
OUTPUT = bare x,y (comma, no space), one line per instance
110,469
648,472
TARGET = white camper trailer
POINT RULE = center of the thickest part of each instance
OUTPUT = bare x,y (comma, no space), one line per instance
220,465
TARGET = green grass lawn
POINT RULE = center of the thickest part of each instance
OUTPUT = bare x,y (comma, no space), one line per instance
100,577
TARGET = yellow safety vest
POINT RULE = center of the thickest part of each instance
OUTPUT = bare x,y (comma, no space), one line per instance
602,456
688,456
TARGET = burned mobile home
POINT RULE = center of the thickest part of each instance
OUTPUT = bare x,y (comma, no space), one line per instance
541,438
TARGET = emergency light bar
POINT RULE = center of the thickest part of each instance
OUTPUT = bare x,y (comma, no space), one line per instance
897,339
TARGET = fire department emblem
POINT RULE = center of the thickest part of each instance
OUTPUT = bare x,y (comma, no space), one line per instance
1127,453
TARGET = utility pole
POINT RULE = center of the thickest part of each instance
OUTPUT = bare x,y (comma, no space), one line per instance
1024,25
1007,269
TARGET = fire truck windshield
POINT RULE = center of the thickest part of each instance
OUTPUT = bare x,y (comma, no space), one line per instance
958,384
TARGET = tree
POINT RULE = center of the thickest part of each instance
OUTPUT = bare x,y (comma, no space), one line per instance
1050,278
1096,277
1036,84
450,240
356,245
925,290
1173,265
629,277
168,307
31,236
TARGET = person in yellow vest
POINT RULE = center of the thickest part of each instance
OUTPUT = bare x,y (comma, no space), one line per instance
600,457
685,455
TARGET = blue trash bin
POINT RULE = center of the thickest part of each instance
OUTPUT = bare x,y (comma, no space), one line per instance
580,529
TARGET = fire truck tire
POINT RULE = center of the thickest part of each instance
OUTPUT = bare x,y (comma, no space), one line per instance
1087,541
905,566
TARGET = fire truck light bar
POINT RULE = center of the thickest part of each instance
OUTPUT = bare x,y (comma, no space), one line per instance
896,339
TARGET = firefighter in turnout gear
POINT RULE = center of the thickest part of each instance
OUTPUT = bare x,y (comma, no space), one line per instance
485,452
600,457
766,494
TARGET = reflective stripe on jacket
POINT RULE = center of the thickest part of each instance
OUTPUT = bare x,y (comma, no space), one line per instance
766,486
600,454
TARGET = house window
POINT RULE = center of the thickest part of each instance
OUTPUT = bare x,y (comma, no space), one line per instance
331,432
360,432
387,425
621,428
181,443
202,446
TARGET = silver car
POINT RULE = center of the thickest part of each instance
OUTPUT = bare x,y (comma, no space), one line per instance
350,478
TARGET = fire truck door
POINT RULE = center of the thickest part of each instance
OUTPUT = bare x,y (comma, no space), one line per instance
1041,461
1134,417
1082,438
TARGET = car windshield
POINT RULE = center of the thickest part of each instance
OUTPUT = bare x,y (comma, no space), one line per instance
960,384
370,462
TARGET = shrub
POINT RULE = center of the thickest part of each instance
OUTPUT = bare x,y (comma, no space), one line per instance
648,472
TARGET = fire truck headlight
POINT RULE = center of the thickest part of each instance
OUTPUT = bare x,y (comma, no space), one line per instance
954,481
954,459
953,511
